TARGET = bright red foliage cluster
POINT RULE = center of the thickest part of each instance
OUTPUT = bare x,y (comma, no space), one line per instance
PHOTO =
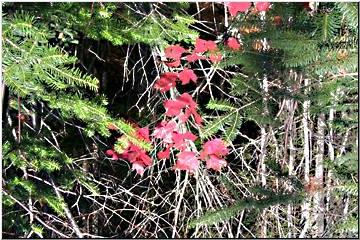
180,110
235,7
134,154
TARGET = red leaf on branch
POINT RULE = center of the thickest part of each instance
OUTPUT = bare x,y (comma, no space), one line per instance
187,100
194,57
233,43
235,7
215,163
174,51
165,131
215,57
111,153
164,154
173,107
179,139
262,6
214,147
166,81
143,133
175,63
187,161
204,45
186,75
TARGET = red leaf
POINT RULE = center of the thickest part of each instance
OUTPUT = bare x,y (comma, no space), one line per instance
175,63
166,81
165,131
197,117
215,163
187,100
111,153
214,147
262,6
187,161
143,133
233,43
215,57
235,7
186,75
138,167
179,139
174,51
200,46
203,46
136,154
173,107
164,154
193,57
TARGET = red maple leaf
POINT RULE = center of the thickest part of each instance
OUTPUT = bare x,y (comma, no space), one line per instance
173,107
175,63
165,131
179,139
235,7
187,100
215,163
166,81
174,51
262,6
186,75
214,147
233,43
194,57
164,154
187,161
215,57
143,133
204,45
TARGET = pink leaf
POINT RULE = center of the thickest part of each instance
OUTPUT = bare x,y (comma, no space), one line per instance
262,6
187,161
175,63
179,139
138,167
143,133
203,46
235,7
164,154
214,147
173,107
194,57
186,99
186,75
166,81
215,57
215,163
174,51
165,131
233,43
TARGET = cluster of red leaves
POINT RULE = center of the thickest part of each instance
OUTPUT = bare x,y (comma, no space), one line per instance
134,154
182,108
235,7
183,102
174,53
